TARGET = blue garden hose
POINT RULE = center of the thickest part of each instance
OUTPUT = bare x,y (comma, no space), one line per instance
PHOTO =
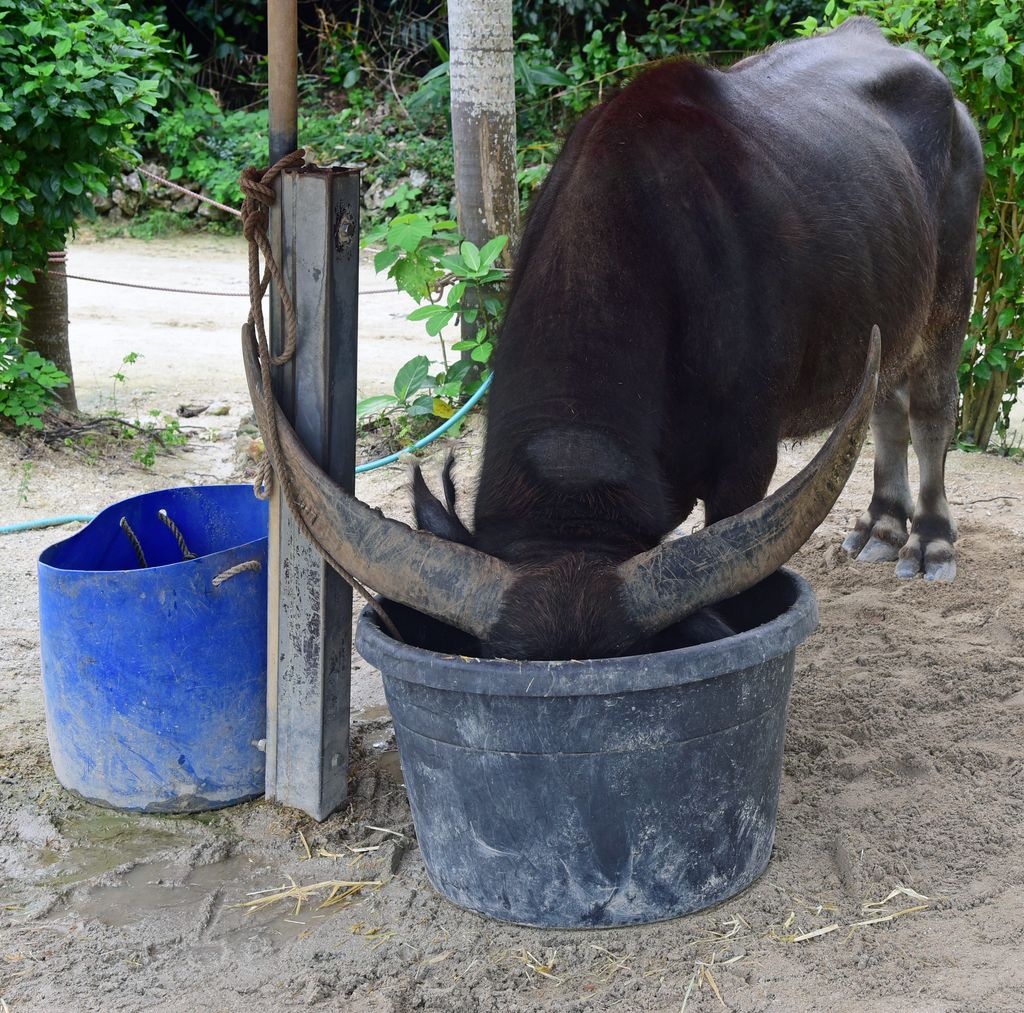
48,522
440,431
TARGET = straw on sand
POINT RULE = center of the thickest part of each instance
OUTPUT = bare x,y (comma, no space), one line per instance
874,908
341,890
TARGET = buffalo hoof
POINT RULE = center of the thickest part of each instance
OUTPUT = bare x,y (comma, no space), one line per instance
878,551
875,540
936,559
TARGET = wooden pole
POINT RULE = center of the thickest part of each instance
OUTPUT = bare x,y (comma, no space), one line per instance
283,76
314,233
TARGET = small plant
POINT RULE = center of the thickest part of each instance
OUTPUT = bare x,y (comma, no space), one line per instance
454,280
155,437
24,482
27,381
119,377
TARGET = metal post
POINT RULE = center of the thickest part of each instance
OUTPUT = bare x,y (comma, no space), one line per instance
314,232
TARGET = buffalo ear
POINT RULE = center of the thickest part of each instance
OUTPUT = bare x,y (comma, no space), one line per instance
431,515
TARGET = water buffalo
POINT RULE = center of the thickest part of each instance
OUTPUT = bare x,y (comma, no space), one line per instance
698,279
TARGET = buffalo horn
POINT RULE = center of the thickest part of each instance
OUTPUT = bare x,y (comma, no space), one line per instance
676,578
454,583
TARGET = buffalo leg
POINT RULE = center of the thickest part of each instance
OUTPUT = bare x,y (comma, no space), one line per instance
929,549
881,530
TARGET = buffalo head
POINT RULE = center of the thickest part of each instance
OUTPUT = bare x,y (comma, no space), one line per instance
576,604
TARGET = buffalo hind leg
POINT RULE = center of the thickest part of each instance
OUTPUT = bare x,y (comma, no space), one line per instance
881,530
929,549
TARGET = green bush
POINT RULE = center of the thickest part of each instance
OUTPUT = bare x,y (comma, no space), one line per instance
27,380
208,148
75,79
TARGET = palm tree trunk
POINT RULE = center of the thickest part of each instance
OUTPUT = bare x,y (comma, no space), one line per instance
45,327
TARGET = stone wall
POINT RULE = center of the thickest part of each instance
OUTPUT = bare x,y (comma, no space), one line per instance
132,193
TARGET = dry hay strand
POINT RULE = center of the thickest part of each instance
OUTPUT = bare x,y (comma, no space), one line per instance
737,923
614,963
874,908
341,890
703,975
544,967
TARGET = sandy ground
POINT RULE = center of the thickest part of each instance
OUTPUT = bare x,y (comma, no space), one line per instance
904,768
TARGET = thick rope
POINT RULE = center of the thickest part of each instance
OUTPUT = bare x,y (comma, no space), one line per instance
191,193
186,552
234,571
259,198
136,545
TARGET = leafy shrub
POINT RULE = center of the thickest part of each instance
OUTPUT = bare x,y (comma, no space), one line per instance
75,78
27,380
426,257
208,148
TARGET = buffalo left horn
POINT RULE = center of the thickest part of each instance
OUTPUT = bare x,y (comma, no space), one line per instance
454,583
676,578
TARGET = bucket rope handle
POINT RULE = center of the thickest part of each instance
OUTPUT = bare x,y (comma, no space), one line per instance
234,571
186,552
140,555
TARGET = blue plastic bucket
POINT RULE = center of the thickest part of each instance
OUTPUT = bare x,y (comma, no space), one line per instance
155,678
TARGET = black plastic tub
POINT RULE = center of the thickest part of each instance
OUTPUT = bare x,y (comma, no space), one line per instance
598,793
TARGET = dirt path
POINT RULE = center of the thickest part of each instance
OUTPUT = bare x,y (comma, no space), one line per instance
904,769
189,343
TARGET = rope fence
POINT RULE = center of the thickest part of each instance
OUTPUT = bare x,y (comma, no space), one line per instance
191,193
184,291
60,256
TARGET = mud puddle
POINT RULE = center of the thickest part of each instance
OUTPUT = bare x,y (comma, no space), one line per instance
212,896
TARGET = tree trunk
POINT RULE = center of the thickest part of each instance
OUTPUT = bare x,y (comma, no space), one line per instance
483,101
45,327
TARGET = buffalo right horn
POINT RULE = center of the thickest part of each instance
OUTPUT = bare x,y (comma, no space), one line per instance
454,583
675,579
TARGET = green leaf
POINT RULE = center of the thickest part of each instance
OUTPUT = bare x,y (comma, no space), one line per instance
375,405
439,321
454,264
492,250
411,377
482,352
992,66
10,214
414,277
425,312
383,260
471,255
423,405
408,233
458,370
